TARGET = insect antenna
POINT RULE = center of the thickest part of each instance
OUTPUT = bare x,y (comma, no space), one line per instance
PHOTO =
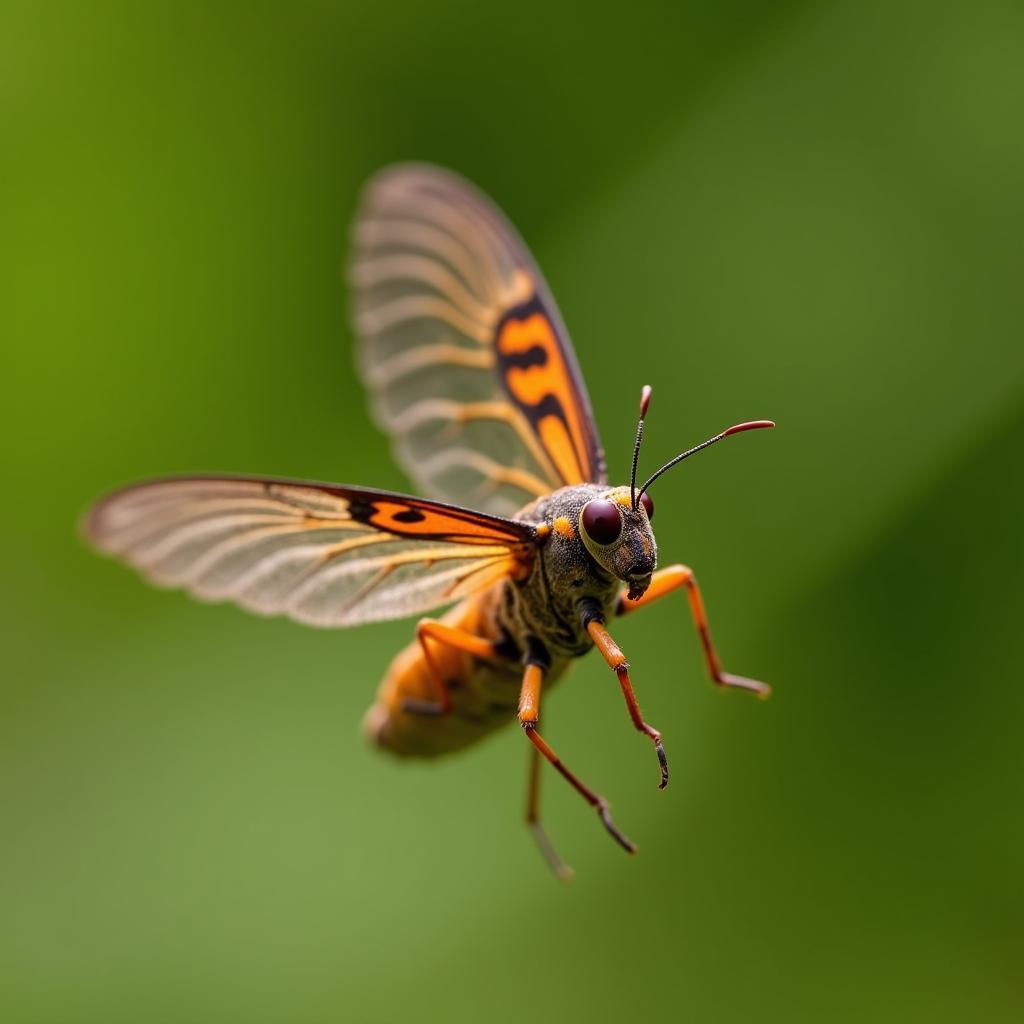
645,401
738,428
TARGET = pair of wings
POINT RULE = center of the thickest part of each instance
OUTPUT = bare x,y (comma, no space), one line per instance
471,372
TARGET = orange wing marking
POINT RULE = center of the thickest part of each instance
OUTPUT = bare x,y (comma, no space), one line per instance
537,377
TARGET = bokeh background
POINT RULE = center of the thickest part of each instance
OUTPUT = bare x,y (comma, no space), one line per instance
811,211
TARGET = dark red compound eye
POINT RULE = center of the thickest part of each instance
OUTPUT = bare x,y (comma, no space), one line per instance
602,521
648,504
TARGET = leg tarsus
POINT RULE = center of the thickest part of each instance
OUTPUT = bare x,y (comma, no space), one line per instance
561,870
726,680
641,726
604,814
595,800
659,750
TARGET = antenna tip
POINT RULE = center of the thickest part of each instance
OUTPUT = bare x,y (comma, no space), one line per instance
645,400
752,425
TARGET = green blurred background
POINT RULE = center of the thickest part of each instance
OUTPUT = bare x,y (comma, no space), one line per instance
809,211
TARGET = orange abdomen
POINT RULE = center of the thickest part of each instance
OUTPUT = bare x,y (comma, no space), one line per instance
484,693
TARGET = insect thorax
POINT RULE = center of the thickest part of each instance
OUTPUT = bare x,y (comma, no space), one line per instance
546,604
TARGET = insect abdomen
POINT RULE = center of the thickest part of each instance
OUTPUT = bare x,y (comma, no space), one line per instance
484,693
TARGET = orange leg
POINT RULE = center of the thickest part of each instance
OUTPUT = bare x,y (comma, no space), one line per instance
617,661
449,636
667,580
529,713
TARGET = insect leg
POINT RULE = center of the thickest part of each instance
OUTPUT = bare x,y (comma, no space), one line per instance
665,581
557,865
448,636
529,712
593,622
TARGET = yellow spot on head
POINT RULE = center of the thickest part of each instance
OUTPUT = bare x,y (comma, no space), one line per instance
624,500
543,530
564,528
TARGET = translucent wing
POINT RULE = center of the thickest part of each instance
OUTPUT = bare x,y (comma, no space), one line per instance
465,354
323,554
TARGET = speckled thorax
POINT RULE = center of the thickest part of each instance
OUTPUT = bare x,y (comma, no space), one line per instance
545,605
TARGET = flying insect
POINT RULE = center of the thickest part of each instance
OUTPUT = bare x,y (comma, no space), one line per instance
472,374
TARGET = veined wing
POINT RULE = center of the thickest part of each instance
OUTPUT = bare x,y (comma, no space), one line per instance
323,554
462,347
